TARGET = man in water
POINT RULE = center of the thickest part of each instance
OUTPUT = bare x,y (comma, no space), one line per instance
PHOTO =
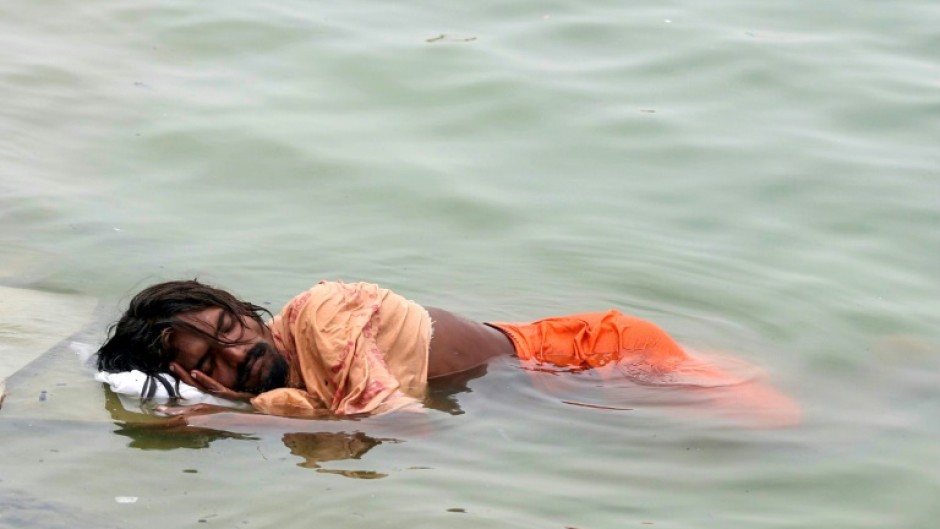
346,349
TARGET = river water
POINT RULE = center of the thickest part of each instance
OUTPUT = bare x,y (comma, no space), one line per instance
757,178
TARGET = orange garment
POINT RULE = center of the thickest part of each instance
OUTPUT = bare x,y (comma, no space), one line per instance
594,339
352,348
613,342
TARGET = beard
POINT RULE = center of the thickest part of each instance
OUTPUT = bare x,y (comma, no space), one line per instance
275,375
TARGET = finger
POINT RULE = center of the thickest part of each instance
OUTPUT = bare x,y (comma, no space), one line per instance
185,376
226,393
209,383
230,394
217,389
237,395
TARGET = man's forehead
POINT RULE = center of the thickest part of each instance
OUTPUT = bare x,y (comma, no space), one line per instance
209,320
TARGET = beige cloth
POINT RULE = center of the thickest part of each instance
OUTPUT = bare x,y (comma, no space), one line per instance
353,348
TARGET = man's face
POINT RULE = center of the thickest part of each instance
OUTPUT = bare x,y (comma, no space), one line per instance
240,354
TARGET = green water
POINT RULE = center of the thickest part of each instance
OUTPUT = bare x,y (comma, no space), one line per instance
762,178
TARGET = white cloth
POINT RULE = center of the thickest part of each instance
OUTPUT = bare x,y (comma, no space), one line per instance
131,383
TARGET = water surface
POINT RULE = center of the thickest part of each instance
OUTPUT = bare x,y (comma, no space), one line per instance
758,179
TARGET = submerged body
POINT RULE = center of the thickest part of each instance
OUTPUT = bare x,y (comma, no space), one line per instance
347,349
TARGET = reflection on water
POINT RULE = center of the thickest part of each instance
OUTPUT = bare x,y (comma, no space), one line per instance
171,434
153,432
318,447
443,391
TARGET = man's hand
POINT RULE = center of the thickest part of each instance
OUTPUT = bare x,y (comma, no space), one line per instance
207,384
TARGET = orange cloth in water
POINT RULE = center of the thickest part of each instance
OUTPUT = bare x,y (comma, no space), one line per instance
594,339
643,352
352,348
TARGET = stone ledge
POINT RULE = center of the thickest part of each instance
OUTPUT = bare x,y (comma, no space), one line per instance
33,321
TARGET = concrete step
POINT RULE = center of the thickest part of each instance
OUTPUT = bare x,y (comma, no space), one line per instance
32,322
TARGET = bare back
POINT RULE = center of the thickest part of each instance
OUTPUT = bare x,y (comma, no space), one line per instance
459,344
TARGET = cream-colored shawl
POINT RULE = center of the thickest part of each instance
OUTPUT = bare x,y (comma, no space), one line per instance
353,348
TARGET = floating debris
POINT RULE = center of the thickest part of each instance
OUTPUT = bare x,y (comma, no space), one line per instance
443,37
595,406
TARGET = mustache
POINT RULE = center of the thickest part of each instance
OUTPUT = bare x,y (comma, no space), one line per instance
254,354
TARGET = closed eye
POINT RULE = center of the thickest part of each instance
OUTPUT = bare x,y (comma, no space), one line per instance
226,325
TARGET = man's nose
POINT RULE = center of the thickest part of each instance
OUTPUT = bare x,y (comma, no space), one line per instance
233,354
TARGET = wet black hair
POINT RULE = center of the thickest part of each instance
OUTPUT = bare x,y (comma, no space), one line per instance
140,338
